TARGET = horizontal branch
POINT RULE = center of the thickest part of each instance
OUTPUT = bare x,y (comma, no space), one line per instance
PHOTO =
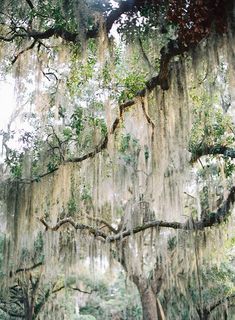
82,291
77,226
29,268
210,220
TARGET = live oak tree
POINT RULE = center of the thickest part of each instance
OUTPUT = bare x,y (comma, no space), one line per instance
131,138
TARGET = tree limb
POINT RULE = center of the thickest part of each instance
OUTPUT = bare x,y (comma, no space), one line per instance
23,51
77,226
214,218
29,268
72,288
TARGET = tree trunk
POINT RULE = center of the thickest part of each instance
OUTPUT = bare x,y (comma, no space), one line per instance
148,287
151,306
203,314
28,311
28,308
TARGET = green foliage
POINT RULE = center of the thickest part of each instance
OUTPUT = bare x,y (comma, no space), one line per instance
77,120
172,243
129,149
146,153
132,83
81,120
106,74
72,206
113,300
54,14
67,132
53,163
38,252
86,195
216,283
81,72
211,126
125,143
229,167
14,162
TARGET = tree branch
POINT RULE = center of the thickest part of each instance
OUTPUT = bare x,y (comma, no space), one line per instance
101,146
102,221
23,51
72,288
214,218
77,226
29,268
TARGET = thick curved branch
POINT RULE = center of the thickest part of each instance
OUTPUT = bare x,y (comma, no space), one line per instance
214,218
101,146
124,7
172,49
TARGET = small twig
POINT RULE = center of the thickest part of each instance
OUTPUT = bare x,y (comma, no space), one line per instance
106,224
23,51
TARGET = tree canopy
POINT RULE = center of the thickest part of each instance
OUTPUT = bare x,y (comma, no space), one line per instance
118,157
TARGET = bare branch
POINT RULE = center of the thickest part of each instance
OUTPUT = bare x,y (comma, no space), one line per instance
214,218
72,288
23,51
102,221
77,226
29,268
